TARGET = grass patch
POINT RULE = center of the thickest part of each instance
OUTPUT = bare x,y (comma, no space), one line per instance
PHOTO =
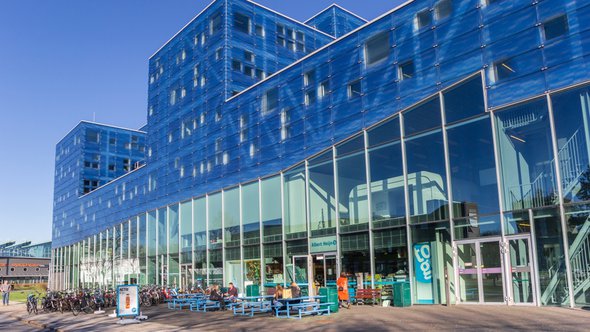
20,292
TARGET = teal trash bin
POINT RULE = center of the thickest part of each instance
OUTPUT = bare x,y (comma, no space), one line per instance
330,296
253,290
402,296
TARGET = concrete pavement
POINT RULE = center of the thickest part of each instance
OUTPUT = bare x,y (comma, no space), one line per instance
361,318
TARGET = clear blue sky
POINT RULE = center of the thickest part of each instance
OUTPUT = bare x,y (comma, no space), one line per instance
61,61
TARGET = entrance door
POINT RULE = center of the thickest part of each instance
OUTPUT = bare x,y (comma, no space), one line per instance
480,271
324,271
522,279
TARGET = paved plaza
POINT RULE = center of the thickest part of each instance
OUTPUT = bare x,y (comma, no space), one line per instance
361,318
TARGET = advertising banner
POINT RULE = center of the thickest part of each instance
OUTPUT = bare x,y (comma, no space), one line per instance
127,301
423,273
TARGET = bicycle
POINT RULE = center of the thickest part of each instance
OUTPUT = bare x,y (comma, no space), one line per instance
32,304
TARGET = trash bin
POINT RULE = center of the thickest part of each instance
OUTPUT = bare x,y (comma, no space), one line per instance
402,296
253,290
331,296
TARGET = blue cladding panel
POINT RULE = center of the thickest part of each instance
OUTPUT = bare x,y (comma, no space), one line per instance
201,139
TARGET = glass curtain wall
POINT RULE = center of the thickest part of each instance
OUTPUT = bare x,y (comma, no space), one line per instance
142,249
322,195
152,249
294,201
272,230
173,247
162,265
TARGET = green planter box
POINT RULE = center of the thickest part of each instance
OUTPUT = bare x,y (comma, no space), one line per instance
331,296
402,295
253,290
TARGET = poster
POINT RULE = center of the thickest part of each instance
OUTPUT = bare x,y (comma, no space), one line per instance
127,301
423,273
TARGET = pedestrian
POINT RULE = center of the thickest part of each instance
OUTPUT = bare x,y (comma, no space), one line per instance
5,288
342,284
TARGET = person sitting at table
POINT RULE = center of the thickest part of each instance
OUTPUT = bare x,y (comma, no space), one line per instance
295,292
232,292
217,296
277,299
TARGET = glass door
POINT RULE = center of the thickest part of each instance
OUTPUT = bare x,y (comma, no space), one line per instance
521,271
480,271
301,273
323,271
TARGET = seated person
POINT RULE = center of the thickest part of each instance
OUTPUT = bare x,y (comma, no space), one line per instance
217,296
277,299
295,292
232,292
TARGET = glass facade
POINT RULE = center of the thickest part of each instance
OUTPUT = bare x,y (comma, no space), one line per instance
473,190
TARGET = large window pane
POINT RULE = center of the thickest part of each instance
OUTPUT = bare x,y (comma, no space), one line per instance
231,214
550,256
186,243
578,226
142,249
423,117
322,196
355,259
251,214
215,233
352,186
524,144
162,262
200,238
473,170
295,220
152,272
464,100
387,186
377,48
572,128
427,185
432,253
271,209
391,254
273,266
173,238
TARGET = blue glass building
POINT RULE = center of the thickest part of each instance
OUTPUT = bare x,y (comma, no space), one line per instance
444,138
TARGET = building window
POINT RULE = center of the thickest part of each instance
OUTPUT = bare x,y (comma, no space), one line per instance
504,69
300,36
243,135
249,56
242,23
285,128
236,65
555,27
280,29
300,47
406,70
112,141
423,19
310,97
323,89
259,30
377,48
173,97
260,74
281,41
219,54
309,78
270,101
92,136
214,24
252,150
443,9
248,71
112,167
218,116
354,89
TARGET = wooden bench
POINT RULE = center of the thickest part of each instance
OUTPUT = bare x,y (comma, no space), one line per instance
368,295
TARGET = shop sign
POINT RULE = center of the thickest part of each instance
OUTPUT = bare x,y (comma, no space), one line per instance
127,301
423,272
323,244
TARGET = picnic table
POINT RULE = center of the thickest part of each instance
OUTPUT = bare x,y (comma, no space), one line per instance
181,300
250,305
305,305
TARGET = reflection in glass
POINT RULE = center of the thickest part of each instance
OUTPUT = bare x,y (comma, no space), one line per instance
231,217
355,258
387,186
271,209
322,196
251,214
152,272
572,129
186,243
491,272
578,232
423,117
473,170
427,186
477,226
214,219
465,100
391,254
273,266
352,187
520,267
173,247
550,256
468,272
200,238
294,190
526,157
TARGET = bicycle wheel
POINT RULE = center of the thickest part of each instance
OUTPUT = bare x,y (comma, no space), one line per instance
29,307
35,308
76,308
